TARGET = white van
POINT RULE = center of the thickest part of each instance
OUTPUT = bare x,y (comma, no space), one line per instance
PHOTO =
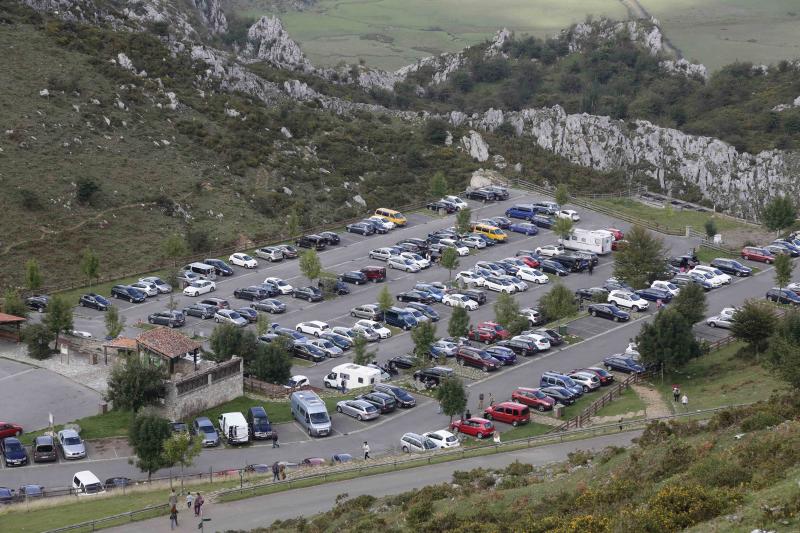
233,427
202,269
86,484
596,241
353,376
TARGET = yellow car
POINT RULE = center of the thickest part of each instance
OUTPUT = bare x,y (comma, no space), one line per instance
494,233
395,216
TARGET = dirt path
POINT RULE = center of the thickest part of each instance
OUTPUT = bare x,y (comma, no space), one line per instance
655,407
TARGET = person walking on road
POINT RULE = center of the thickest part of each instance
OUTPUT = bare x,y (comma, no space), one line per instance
276,471
496,437
591,268
365,447
189,500
173,498
491,399
275,440
198,505
173,517
480,402
685,402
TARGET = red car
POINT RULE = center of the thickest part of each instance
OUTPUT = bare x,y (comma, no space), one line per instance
509,412
617,233
484,335
497,328
619,245
754,253
530,261
606,377
374,273
475,427
533,398
9,430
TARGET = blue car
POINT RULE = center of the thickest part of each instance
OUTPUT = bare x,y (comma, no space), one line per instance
542,221
289,333
793,250
653,295
434,292
522,211
525,228
340,341
443,348
14,452
623,364
783,296
426,310
502,354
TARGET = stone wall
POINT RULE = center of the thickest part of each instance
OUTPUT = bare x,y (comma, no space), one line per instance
188,395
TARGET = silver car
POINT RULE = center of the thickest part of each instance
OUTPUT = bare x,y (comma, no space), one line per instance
473,242
381,253
230,316
720,321
330,349
370,311
518,283
71,444
358,409
270,253
447,348
162,286
401,263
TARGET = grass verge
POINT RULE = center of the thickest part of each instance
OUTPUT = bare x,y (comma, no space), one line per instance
111,424
669,217
628,402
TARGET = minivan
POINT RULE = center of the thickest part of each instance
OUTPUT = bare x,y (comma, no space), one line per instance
44,449
554,379
85,483
310,412
391,214
399,318
202,269
374,273
509,412
493,232
258,423
523,211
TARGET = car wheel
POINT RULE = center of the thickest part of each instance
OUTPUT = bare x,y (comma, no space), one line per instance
405,449
712,324
359,418
515,423
593,312
768,261
338,409
540,408
479,435
460,362
608,367
585,388
150,320
615,319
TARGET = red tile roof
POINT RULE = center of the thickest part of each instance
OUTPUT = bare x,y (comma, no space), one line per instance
6,318
123,343
167,342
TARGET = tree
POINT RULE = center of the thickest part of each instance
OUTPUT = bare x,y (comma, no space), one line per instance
90,265
783,270
435,131
783,355
424,335
147,436
38,338
690,303
562,194
668,341
506,313
175,248
180,449
134,384
262,324
711,228
293,223
779,213
59,316
362,356
463,220
13,304
754,323
225,340
558,303
272,362
33,277
452,397
563,227
642,260
385,300
114,322
438,185
310,265
449,260
86,189
459,323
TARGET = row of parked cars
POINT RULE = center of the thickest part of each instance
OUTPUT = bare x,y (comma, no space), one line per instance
43,449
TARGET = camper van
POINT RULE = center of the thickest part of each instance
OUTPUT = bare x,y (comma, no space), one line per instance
310,411
352,376
233,426
597,241
202,269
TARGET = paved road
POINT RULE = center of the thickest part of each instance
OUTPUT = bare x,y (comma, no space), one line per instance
263,510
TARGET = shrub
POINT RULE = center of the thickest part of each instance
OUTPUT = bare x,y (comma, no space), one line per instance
518,469
760,420
419,513
719,471
579,457
676,507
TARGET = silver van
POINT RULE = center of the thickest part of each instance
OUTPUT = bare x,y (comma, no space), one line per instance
310,412
202,269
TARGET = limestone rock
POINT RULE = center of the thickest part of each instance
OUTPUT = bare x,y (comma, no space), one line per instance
687,68
483,178
359,200
286,133
476,146
268,41
213,16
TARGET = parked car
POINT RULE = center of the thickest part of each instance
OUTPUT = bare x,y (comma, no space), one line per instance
330,237
243,260
549,266
353,276
605,377
628,300
316,242
382,401
508,412
525,346
375,326
44,449
361,228
480,195
475,427
248,313
304,350
196,288
425,309
7,429
551,334
38,302
432,377
358,409
534,398
309,293
550,250
569,214
71,445
415,443
591,293
623,364
313,327
342,342
443,439
95,301
204,429
270,305
117,482
560,395
609,311
219,303
374,273
534,316
442,205
459,300
14,453
783,296
129,293
754,253
229,316
173,319
654,295
720,321
588,380
289,252
467,355
7,495
270,253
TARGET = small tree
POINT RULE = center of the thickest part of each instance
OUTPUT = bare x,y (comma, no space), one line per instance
558,303
175,248
423,336
262,324
711,228
385,300
641,260
33,277
147,436
272,362
563,227
438,185
690,303
506,313
783,355
90,265
225,341
114,322
310,265
361,355
13,304
133,385
779,213
668,341
449,260
293,223
464,220
180,449
754,323
562,194
459,323
59,316
452,396
38,337
783,270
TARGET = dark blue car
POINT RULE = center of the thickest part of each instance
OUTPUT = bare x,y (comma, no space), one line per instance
434,292
340,341
542,221
502,354
14,452
609,311
131,294
783,296
653,295
525,228
95,301
549,266
623,364
426,310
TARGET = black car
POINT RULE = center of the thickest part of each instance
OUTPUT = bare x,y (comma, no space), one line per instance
548,266
501,222
221,268
118,482
653,295
248,313
270,288
128,293
783,296
731,267
173,319
250,293
616,285
95,301
6,495
415,296
441,205
331,237
402,361
340,341
270,305
478,296
571,262
426,310
303,350
520,346
317,242
384,402
588,256
481,195
623,364
591,293
199,310
561,395
431,377
420,244
609,311
289,252
501,193
311,294
377,225
353,276
361,228
333,286
552,335
403,398
37,303
683,261
542,221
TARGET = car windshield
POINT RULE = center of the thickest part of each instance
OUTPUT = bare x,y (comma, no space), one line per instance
72,441
234,315
94,487
207,429
319,418
13,447
45,448
429,444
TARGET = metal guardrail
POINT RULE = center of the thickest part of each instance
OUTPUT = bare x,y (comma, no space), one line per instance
91,525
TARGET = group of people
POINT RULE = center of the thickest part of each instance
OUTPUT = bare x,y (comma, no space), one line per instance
197,501
676,397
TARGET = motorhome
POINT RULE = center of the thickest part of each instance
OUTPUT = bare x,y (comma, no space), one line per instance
310,412
597,241
352,376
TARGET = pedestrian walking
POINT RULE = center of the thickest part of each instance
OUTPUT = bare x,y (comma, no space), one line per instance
620,424
189,500
343,387
591,268
659,304
685,402
480,402
276,471
365,447
173,499
173,517
491,399
496,437
198,505
467,415
438,408
275,440
676,393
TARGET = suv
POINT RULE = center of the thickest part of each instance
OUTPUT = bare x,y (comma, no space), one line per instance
509,412
374,273
316,242
44,449
384,402
200,310
258,423
173,319
354,277
251,293
628,300
433,376
523,211
521,346
467,355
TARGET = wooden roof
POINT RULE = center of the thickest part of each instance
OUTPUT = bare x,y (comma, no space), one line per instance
121,343
10,319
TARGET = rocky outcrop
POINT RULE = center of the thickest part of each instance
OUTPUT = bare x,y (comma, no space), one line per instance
476,146
643,32
685,67
213,16
737,181
268,41
784,107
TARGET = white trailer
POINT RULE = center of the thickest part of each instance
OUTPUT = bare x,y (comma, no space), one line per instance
597,241
352,376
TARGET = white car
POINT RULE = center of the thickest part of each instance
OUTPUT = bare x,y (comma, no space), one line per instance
443,439
533,315
459,300
388,224
569,214
588,380
470,278
418,259
533,275
456,201
401,263
162,286
458,245
632,349
81,334
295,382
377,327
627,300
196,288
243,260
518,283
541,341
474,242
229,316
728,312
666,286
382,254
709,277
550,250
283,287
723,278
150,289
313,327
498,284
